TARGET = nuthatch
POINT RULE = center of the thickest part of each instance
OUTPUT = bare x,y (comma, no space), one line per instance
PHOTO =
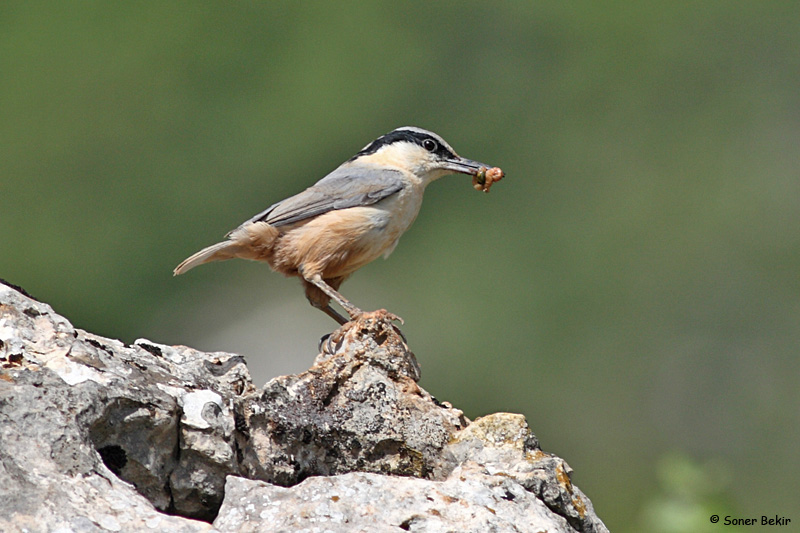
348,218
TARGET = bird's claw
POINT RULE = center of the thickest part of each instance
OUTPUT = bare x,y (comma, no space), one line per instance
381,314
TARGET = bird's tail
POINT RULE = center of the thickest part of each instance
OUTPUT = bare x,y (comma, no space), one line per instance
217,252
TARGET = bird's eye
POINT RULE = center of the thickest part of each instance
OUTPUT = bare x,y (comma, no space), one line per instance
430,145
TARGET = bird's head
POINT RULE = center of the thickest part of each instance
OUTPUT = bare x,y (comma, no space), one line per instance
421,152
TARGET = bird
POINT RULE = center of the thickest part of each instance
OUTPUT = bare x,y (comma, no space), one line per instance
349,218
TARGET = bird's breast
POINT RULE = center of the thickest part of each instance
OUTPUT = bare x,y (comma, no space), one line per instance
339,242
376,229
396,214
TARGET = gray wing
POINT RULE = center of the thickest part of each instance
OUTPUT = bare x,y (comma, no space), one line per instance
344,187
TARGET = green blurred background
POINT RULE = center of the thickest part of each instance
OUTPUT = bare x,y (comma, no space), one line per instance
631,286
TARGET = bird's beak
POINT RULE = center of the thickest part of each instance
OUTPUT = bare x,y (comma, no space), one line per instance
464,166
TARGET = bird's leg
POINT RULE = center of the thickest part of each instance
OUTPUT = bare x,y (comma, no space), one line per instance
331,312
351,309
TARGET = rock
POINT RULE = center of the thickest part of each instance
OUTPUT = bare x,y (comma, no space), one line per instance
68,398
376,503
501,444
358,408
101,436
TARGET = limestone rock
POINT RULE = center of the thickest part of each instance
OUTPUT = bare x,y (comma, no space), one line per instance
357,409
96,435
378,503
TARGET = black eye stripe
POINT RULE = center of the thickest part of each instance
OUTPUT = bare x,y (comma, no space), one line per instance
417,137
